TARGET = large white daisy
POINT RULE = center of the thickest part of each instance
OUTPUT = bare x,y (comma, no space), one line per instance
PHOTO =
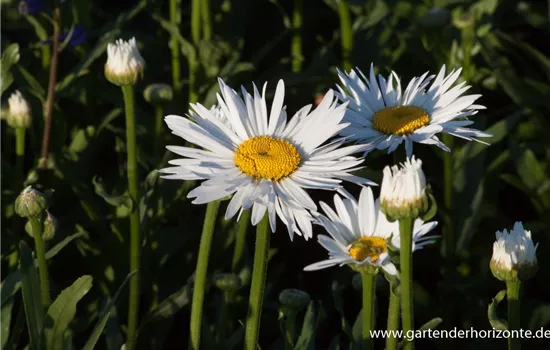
265,162
383,116
359,234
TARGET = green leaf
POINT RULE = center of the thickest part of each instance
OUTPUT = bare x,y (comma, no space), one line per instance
5,321
187,49
35,86
315,314
432,209
34,310
431,324
62,311
105,314
339,306
496,322
121,201
39,29
10,56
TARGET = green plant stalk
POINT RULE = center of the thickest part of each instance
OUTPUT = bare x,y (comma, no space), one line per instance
259,272
296,46
40,251
346,39
393,320
224,317
133,191
290,328
448,174
512,294
159,114
369,297
175,47
19,180
240,239
405,232
201,272
206,21
196,21
193,94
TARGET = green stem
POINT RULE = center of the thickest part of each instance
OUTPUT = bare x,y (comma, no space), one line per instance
18,184
133,191
240,239
196,21
257,286
512,292
405,232
46,57
296,47
393,319
159,116
174,45
40,251
369,297
290,328
346,39
448,173
224,316
201,272
206,22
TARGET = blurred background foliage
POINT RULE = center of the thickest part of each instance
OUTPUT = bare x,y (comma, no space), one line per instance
502,45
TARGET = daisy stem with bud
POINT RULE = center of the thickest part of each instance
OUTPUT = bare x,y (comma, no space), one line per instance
406,232
133,191
202,271
369,297
240,240
257,286
393,319
512,295
36,225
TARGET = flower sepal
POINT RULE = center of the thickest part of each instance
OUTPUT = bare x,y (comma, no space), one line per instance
365,268
522,272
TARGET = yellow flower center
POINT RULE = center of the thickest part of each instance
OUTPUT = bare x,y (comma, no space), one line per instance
265,157
400,120
366,247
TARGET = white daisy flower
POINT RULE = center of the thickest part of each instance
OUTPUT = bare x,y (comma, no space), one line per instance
359,234
124,62
514,254
265,162
19,113
383,116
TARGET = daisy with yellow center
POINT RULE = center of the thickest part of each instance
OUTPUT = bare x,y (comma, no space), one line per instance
382,116
264,161
360,235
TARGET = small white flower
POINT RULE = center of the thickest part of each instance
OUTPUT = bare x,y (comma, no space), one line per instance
403,190
359,235
124,62
19,114
514,254
382,116
264,160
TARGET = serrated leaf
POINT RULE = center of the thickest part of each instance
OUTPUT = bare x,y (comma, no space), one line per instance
105,314
30,284
62,311
496,322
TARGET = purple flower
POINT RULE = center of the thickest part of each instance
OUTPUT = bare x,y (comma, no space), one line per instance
77,37
30,7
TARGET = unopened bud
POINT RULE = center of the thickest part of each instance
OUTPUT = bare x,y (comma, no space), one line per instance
30,203
227,282
49,227
294,299
436,18
124,62
158,94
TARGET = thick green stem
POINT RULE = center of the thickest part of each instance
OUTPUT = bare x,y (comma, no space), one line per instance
346,39
19,156
512,293
224,317
40,251
206,22
174,45
240,239
257,286
202,271
369,297
405,235
196,21
393,320
133,191
290,328
296,46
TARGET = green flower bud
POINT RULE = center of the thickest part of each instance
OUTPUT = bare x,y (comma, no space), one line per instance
30,203
227,282
436,18
294,299
49,227
158,94
463,20
124,62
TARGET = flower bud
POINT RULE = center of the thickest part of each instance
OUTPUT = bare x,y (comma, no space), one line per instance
435,18
227,282
403,191
158,94
19,113
49,227
463,20
294,299
124,62
514,255
30,203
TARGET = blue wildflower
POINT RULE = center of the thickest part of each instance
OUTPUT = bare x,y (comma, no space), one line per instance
30,7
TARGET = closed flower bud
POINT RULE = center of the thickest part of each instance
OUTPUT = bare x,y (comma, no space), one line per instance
294,299
49,227
463,20
403,191
514,255
124,62
435,18
158,94
227,282
19,113
30,203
